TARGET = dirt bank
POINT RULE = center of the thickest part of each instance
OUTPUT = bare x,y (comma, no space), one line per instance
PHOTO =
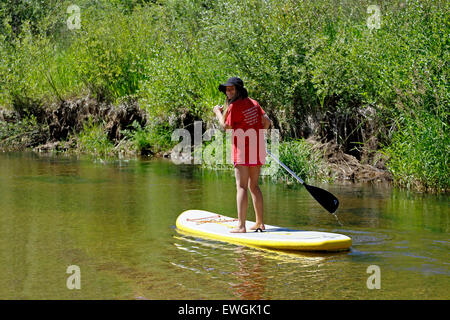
56,126
347,167
60,121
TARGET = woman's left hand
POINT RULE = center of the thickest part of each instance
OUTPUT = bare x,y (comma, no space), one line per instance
217,108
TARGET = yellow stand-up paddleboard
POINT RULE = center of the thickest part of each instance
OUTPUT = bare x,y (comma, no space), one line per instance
215,226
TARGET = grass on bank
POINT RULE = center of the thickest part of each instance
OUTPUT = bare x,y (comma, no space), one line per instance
94,140
419,153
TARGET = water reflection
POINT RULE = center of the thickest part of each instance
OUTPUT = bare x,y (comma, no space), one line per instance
249,280
249,272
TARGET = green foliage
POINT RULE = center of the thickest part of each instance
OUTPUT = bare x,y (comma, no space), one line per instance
300,157
187,69
149,139
183,84
94,140
300,59
419,152
268,42
23,66
111,51
34,13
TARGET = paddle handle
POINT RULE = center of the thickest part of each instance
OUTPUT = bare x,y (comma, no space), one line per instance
285,167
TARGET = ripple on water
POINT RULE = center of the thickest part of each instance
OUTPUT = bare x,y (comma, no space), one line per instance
367,237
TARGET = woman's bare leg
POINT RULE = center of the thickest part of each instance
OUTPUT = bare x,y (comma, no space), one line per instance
242,178
257,197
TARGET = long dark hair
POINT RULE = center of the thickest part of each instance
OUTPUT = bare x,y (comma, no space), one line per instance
241,93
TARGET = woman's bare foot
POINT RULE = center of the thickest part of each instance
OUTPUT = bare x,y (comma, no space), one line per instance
238,230
258,226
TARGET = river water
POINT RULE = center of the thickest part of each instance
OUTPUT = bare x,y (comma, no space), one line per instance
115,220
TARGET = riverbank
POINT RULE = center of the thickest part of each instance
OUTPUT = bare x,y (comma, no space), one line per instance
85,126
369,90
81,125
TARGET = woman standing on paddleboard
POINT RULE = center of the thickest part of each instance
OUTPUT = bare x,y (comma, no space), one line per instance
248,121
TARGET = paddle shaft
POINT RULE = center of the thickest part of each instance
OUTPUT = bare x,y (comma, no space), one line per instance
325,198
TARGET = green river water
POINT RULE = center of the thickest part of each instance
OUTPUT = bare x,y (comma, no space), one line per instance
115,220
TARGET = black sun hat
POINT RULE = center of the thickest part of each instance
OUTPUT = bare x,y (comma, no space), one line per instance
238,83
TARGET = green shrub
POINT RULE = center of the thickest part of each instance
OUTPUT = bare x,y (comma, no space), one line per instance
111,50
94,140
149,139
419,152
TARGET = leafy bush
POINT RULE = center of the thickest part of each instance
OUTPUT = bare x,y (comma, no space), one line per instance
34,13
111,50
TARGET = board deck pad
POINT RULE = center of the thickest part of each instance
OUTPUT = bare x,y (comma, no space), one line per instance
215,226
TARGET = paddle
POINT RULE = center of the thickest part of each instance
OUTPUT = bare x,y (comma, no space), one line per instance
325,198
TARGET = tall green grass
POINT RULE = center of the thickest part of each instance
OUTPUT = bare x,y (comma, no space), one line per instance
299,156
419,152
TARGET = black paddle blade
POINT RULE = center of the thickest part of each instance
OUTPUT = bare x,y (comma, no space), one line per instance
326,199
